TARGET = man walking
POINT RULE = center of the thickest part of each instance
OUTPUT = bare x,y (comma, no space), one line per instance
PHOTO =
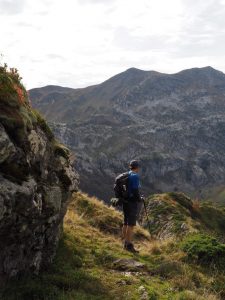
130,207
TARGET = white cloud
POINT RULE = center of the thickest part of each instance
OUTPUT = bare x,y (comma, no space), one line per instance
10,7
80,42
96,2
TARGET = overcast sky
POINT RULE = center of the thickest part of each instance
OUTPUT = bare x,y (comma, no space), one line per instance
77,43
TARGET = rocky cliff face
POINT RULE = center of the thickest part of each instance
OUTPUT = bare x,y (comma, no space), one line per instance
173,123
36,181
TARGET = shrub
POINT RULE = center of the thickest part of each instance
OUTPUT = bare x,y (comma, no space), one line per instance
204,249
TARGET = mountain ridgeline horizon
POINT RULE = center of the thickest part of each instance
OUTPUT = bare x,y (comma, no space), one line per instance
173,123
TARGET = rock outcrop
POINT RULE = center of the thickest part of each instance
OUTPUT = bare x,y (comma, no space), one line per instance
36,181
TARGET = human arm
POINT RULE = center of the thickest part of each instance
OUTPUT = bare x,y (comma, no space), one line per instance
135,185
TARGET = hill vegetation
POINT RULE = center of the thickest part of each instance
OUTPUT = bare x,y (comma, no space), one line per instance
91,264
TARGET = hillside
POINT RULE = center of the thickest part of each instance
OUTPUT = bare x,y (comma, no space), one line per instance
174,123
91,264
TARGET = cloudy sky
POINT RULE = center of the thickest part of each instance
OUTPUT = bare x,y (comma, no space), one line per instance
77,43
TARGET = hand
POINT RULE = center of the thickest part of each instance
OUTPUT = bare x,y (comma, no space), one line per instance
142,198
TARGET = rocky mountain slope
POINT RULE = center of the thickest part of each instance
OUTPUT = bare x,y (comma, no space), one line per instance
91,264
173,123
36,182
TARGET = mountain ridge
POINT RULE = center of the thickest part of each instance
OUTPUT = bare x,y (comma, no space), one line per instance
129,70
172,122
124,83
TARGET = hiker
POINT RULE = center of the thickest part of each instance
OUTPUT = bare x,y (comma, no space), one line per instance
130,206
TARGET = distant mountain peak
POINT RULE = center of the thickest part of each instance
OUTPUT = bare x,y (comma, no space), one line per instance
132,69
208,72
210,69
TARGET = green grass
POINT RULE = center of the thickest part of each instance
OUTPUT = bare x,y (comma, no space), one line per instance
83,266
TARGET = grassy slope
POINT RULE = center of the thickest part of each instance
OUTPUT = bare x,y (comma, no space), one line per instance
173,210
83,267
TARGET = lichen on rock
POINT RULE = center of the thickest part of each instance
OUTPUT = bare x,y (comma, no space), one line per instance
36,182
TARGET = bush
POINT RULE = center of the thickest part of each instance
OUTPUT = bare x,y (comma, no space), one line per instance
204,249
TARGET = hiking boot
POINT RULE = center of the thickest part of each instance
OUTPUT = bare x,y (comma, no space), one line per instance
130,247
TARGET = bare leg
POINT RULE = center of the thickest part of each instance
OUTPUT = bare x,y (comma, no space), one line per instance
129,234
124,231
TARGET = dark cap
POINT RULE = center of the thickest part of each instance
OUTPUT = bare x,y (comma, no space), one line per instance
134,164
